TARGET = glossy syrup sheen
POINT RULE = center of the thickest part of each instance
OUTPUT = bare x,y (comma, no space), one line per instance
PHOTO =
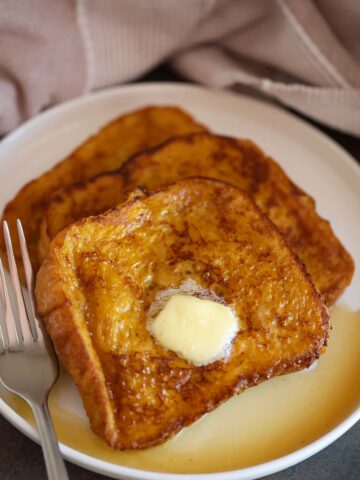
268,421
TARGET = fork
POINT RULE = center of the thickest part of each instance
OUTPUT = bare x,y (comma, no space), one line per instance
28,364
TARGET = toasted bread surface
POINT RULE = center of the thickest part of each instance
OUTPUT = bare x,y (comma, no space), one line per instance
104,151
103,273
238,162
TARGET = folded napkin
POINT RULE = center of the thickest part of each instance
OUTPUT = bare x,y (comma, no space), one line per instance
302,53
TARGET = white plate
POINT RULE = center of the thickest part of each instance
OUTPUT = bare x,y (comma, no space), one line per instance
314,161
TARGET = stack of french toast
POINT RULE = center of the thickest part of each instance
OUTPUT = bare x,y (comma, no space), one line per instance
152,201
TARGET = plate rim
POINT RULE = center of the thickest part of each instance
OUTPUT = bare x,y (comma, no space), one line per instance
310,128
105,467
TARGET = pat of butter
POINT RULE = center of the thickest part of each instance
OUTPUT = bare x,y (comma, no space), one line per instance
198,330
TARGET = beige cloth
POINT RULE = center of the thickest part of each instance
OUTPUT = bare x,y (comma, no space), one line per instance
304,53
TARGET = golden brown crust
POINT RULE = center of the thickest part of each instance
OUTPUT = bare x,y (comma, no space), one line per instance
71,337
101,275
238,162
104,151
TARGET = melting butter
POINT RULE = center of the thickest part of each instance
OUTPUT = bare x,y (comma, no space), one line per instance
198,330
273,419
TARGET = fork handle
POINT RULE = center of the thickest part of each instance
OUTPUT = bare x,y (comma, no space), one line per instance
55,465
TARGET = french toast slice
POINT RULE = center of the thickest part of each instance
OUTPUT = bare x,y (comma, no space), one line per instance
104,151
239,162
102,275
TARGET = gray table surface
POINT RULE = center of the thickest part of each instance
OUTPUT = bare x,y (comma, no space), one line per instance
21,459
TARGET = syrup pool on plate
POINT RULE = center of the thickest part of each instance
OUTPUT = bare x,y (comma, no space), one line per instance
273,419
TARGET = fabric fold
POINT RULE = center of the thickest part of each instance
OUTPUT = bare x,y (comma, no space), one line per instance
305,55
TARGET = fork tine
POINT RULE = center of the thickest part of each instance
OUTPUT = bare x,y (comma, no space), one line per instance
20,311
29,275
3,345
8,328
3,330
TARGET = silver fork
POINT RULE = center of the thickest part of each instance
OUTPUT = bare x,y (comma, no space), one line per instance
28,364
